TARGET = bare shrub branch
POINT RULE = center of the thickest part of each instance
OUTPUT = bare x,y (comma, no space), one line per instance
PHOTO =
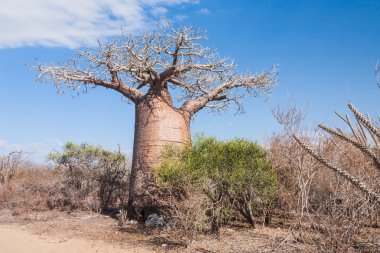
357,183
289,117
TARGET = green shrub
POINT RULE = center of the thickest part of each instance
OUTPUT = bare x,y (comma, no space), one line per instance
93,175
234,175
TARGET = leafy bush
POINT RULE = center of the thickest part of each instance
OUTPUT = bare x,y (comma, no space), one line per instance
94,174
234,175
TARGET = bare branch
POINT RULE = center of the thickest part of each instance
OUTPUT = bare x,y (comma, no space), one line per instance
168,57
227,91
74,80
289,116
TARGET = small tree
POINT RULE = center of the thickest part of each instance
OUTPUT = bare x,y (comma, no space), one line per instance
296,170
145,69
91,169
9,165
234,175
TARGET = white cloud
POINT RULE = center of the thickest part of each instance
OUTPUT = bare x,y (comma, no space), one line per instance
204,11
36,151
7,147
180,17
159,11
69,23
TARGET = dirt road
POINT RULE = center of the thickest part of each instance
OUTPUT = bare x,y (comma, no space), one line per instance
16,239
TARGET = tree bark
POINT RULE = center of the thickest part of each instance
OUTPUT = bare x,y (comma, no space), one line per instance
157,124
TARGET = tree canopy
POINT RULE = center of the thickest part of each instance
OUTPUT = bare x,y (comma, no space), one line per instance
167,57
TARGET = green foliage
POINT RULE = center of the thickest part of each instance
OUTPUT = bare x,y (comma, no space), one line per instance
94,172
84,155
234,175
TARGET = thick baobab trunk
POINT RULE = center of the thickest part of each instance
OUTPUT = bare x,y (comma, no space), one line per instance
157,124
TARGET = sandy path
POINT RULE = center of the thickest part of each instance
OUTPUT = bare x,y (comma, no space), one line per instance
15,239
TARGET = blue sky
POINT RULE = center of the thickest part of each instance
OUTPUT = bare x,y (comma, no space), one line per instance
327,52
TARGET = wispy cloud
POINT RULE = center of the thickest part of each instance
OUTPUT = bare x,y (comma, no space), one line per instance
159,10
69,23
37,151
180,17
7,147
204,11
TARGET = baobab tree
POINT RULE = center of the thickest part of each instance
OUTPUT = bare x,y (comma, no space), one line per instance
146,69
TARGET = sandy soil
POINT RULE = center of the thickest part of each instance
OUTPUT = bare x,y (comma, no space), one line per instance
16,239
82,232
86,232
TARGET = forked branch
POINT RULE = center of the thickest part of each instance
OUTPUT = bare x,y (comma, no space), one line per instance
166,58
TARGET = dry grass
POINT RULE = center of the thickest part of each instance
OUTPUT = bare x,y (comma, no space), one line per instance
323,200
316,210
30,187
